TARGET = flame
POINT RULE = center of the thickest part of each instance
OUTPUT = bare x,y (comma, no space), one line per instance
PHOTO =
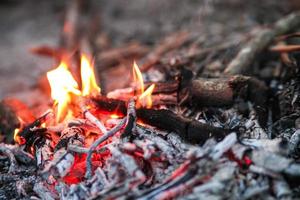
144,96
62,86
114,116
89,84
20,140
138,78
16,137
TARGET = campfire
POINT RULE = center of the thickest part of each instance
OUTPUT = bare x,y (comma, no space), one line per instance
174,131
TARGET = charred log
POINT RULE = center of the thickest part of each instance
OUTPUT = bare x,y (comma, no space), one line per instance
191,130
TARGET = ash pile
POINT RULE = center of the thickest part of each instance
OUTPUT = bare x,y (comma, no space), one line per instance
196,120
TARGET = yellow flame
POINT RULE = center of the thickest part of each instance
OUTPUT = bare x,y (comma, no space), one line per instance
16,132
114,116
89,84
145,98
62,86
138,78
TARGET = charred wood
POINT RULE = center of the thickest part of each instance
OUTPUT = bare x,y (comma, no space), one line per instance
191,130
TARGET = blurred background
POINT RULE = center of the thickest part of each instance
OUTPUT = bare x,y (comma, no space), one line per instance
31,23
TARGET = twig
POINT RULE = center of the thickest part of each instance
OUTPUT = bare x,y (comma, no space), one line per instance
131,119
87,114
108,134
242,62
285,48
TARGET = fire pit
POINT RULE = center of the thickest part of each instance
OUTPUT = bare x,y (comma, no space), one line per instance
184,118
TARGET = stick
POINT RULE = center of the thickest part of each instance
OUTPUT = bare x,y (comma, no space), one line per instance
131,119
94,120
285,48
242,62
92,148
190,130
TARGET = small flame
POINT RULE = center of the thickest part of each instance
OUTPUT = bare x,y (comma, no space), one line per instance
62,86
20,140
16,137
138,78
114,116
89,84
145,96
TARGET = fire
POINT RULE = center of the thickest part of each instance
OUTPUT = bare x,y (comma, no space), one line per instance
89,84
138,78
16,132
144,96
20,140
17,138
114,116
62,86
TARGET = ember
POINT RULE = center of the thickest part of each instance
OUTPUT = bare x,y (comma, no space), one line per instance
168,120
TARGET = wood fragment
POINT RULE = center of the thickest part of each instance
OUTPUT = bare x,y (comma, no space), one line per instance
62,159
94,120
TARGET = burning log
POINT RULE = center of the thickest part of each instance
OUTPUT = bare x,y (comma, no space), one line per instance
242,62
191,130
217,92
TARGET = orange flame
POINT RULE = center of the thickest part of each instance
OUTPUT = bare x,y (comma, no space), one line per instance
144,96
89,84
62,86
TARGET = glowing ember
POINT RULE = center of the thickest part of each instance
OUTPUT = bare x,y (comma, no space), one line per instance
62,86
89,84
